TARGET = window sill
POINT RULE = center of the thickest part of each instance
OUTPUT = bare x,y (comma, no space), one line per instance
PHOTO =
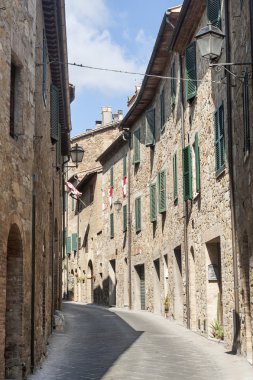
220,172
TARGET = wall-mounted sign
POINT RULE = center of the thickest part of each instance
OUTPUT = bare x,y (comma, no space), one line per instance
213,272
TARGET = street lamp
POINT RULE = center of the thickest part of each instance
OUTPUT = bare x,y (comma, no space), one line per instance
117,205
76,154
210,39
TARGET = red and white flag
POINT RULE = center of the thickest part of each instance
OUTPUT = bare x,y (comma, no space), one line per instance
124,187
110,195
72,190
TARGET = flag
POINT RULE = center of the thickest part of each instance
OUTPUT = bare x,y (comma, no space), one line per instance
124,187
110,195
72,190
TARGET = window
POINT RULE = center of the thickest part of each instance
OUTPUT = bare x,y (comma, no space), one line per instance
68,245
124,218
175,193
54,114
153,206
219,139
150,127
162,110
12,99
191,74
196,166
111,176
111,226
44,68
138,214
214,12
162,191
74,242
246,129
136,146
173,84
187,173
124,166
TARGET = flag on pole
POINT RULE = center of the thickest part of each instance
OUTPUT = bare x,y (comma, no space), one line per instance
72,190
110,195
124,187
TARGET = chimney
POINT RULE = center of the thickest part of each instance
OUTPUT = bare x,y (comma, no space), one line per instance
98,123
106,115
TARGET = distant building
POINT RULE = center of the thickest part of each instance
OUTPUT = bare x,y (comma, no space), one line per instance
35,126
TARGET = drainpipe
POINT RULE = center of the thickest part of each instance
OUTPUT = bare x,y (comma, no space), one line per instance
236,341
33,274
129,224
185,207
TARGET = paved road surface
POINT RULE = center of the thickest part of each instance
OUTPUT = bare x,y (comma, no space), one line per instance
115,344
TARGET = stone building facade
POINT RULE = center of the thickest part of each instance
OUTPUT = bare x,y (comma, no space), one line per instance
35,126
182,237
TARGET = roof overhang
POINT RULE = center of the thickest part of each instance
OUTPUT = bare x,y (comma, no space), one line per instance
86,178
156,67
55,28
112,149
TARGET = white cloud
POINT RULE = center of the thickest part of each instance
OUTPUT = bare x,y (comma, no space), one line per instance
90,43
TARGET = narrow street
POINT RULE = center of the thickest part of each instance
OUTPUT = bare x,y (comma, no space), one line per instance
110,344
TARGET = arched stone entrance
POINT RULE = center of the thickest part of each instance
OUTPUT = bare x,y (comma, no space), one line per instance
90,298
14,302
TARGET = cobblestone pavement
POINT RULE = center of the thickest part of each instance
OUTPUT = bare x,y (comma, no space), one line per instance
115,344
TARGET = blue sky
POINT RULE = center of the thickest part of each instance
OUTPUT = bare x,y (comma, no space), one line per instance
113,34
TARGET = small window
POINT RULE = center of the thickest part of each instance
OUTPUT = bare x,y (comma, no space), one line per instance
136,146
219,140
138,214
111,226
187,173
175,191
246,128
162,191
124,218
153,204
214,12
150,127
162,110
191,72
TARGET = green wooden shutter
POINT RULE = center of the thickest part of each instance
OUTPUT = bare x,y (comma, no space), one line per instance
162,191
246,128
214,12
173,84
187,173
74,242
136,146
150,127
175,193
219,139
191,73
111,176
153,206
124,218
58,148
111,226
138,214
68,245
162,110
197,163
124,166
54,113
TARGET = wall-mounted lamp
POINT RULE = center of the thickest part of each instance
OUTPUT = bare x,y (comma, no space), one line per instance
117,205
76,154
209,40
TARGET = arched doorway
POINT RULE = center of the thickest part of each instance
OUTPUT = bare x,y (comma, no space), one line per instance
14,302
90,280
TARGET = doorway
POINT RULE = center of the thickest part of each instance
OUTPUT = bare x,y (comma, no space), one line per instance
140,287
112,283
192,289
178,281
14,302
90,297
157,287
